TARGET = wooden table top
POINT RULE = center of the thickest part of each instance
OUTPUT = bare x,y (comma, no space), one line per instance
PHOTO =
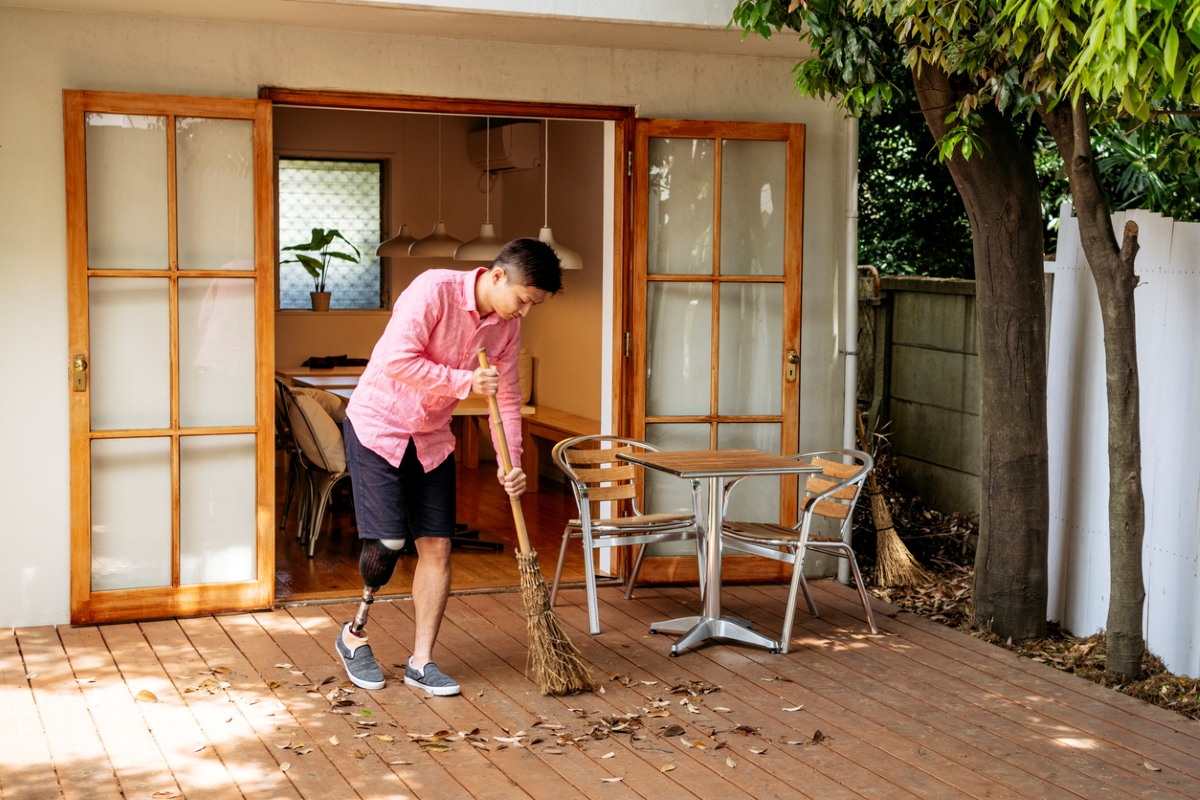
299,372
473,406
718,463
326,381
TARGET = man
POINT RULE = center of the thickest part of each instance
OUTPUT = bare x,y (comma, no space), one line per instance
399,447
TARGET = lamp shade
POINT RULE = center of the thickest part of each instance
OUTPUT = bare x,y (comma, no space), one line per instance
397,245
484,247
566,256
438,244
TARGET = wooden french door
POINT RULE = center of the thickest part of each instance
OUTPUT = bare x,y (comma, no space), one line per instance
170,247
717,244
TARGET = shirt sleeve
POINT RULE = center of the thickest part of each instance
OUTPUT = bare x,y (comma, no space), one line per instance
509,396
417,312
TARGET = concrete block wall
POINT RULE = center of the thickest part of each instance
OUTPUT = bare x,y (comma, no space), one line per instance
931,396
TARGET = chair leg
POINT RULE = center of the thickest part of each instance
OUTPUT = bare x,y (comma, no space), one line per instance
589,575
812,606
637,567
304,507
321,501
562,557
789,614
293,471
862,590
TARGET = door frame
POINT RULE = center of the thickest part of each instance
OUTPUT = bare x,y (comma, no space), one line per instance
683,569
173,600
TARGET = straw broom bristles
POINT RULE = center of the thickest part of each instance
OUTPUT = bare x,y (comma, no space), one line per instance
895,566
553,659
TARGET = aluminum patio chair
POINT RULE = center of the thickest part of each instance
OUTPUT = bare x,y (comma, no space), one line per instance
831,494
597,475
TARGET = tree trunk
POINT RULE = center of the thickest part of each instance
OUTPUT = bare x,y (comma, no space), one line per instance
1112,269
999,188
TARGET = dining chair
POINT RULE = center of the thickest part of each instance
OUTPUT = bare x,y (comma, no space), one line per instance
596,475
320,449
831,494
294,464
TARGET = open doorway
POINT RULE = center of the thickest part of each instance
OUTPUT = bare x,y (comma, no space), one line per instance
367,172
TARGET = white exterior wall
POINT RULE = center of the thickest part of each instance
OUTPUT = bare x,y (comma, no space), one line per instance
1168,329
44,52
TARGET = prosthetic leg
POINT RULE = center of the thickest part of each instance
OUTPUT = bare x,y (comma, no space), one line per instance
377,563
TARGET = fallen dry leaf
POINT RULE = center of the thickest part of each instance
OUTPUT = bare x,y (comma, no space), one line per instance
330,679
729,762
666,768
400,763
756,751
723,710
359,753
818,737
612,780
553,751
85,680
383,737
166,794
285,745
1152,767
284,666
608,755
285,766
794,708
333,740
222,670
30,675
146,696
672,730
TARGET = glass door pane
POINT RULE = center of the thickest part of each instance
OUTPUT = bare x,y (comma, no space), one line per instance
217,531
751,348
678,349
680,227
130,331
131,513
753,198
214,168
216,352
127,191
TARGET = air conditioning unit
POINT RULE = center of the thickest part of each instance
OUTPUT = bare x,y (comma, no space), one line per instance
514,146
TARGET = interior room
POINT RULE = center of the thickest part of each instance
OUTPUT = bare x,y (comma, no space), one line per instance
370,174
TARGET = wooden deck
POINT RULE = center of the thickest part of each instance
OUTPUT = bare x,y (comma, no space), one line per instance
918,712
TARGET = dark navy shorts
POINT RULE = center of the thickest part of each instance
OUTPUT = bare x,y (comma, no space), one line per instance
399,502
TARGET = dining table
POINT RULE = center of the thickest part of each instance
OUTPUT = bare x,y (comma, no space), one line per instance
327,382
715,466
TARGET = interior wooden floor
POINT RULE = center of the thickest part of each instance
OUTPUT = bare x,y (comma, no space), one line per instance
332,572
249,705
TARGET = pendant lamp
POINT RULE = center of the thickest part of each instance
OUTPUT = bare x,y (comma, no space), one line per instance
438,244
487,245
567,257
398,245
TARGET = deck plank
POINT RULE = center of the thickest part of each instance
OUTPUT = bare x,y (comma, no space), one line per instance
476,770
80,760
714,775
858,766
26,766
370,778
253,764
140,767
313,775
189,753
482,706
1043,690
1068,757
511,700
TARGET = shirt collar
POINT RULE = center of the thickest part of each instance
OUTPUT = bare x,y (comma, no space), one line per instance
468,297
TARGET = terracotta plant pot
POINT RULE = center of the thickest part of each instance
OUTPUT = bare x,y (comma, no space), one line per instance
320,301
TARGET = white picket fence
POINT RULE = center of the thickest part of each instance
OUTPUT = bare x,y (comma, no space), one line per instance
1168,332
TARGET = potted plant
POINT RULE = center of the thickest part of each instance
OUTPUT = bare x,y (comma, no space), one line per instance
321,242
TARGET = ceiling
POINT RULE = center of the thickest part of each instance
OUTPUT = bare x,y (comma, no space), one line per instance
451,19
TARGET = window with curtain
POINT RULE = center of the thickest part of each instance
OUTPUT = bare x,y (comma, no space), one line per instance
348,196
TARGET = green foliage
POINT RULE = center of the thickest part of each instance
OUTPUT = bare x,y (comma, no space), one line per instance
320,243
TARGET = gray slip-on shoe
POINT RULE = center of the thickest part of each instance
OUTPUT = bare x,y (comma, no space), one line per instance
360,665
431,679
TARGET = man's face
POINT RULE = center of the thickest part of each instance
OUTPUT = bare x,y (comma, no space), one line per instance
514,300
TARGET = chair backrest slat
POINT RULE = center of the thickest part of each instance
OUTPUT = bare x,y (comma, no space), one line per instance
827,508
609,456
606,475
623,491
815,485
835,470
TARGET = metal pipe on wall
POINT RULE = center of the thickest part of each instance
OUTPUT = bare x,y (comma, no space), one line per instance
850,276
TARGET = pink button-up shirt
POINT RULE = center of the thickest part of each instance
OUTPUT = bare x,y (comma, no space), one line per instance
422,366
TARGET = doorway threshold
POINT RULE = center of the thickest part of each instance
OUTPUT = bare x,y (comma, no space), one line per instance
333,597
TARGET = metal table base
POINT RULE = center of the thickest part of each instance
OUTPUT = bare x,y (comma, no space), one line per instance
697,629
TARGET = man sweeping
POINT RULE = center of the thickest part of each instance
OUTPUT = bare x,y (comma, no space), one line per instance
399,447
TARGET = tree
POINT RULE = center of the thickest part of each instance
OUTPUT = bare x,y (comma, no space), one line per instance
852,42
1100,62
1073,67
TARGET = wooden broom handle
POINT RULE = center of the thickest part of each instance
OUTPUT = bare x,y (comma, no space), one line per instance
506,460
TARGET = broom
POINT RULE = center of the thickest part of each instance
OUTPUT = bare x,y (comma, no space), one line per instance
554,661
895,566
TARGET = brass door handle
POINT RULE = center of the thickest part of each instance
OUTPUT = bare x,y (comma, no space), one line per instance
793,360
79,368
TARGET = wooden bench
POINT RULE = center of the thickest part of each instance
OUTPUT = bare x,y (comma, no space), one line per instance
554,425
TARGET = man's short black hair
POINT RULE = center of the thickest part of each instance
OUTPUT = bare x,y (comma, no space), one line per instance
531,262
